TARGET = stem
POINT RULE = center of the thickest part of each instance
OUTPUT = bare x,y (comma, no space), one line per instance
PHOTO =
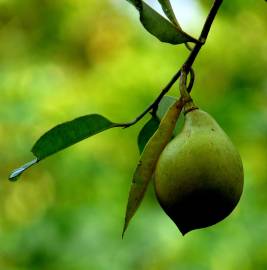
192,80
204,34
186,66
182,86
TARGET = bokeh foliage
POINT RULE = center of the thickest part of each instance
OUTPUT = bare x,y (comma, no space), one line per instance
62,59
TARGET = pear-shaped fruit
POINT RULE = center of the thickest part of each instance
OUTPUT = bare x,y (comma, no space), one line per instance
199,175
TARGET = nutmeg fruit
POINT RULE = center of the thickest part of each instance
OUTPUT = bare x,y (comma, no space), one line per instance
199,175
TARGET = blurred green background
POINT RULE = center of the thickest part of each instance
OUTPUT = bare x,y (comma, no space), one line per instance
66,58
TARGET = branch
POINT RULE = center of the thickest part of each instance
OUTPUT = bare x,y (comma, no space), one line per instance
187,64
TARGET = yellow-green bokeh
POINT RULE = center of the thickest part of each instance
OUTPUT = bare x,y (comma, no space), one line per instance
62,59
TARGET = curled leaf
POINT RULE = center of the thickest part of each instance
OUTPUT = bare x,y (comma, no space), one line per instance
17,172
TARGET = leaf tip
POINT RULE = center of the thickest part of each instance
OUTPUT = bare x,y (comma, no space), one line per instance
124,229
14,176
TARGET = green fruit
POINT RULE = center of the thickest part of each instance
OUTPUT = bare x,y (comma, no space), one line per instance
199,175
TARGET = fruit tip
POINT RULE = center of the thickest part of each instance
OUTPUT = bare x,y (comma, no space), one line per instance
184,230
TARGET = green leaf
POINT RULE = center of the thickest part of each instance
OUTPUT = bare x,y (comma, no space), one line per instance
158,26
69,133
167,8
148,160
151,126
164,105
63,136
147,132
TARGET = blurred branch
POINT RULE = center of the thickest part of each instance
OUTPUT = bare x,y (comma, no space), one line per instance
187,66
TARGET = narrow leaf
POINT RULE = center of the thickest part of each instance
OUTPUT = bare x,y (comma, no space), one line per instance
167,8
158,26
147,132
63,136
164,105
148,160
151,126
